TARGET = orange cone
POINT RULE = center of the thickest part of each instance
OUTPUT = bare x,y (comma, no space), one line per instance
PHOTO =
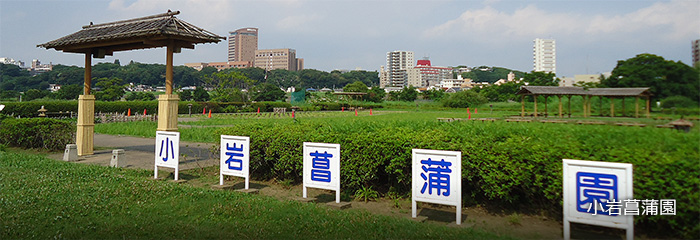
258,110
129,113
343,110
144,112
470,116
209,113
355,111
476,110
370,112
204,110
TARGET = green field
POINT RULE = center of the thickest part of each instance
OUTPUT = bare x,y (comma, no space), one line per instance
42,199
505,164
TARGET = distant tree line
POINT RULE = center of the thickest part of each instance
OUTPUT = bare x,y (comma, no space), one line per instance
14,80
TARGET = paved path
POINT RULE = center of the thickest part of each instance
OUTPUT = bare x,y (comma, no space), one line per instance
139,152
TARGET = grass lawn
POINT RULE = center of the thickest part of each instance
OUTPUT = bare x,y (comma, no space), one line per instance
42,198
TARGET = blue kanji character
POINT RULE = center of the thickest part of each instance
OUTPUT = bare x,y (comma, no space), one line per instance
320,165
234,152
165,143
438,177
595,188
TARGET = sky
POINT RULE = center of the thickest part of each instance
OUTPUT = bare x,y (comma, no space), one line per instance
591,35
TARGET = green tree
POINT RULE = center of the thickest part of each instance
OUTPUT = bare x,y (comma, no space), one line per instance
407,94
200,95
541,79
227,86
267,92
376,94
664,78
463,99
433,94
186,95
112,89
69,92
357,86
32,94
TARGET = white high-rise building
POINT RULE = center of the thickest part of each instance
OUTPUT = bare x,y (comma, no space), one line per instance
397,62
545,55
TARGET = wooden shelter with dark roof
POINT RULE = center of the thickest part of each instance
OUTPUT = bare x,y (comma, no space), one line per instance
611,93
100,40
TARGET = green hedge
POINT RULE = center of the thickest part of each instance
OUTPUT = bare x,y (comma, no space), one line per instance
43,133
29,109
506,164
334,106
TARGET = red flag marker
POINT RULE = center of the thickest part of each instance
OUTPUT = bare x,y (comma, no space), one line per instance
129,113
370,112
144,111
355,111
204,110
475,110
470,116
467,109
258,110
293,114
343,110
209,113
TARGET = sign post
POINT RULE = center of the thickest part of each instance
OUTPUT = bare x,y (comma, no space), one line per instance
167,152
235,158
594,192
437,178
322,167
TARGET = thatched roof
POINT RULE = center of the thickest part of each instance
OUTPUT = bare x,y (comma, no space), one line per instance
606,92
550,90
139,33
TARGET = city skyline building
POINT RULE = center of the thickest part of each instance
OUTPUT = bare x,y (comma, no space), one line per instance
283,58
397,62
545,55
242,44
696,52
432,75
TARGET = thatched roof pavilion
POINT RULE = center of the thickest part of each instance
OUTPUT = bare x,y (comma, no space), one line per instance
100,40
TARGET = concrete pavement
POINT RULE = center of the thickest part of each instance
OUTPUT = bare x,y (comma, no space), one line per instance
139,152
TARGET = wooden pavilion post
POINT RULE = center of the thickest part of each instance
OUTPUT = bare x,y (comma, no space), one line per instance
585,105
522,105
167,103
648,106
535,113
560,113
86,113
636,107
546,112
612,107
569,96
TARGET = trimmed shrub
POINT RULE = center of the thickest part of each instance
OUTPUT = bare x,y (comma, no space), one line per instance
502,164
43,133
463,99
679,102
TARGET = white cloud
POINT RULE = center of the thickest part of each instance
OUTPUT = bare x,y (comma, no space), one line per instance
675,20
209,12
298,22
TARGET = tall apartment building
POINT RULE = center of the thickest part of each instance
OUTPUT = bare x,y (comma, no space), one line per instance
397,62
242,44
284,58
696,52
545,55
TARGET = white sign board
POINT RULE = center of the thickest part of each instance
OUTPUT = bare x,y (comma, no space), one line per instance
167,151
437,178
594,193
322,167
234,158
